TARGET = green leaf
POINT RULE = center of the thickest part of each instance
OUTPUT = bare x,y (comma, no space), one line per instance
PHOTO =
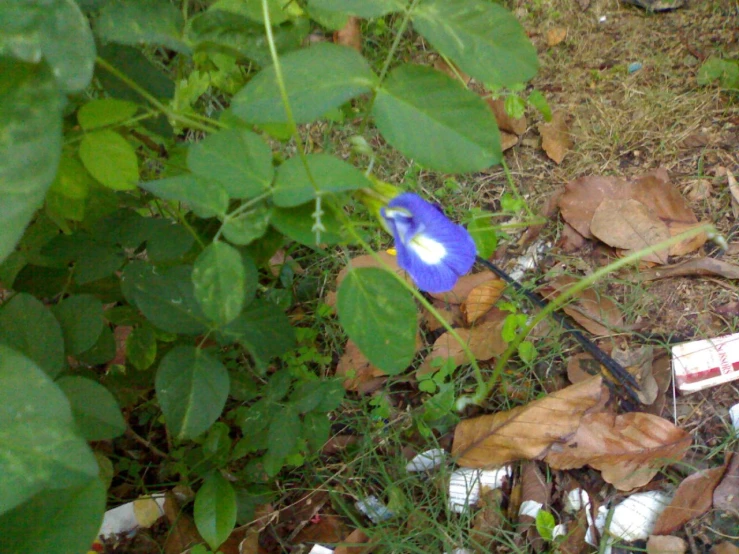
103,351
247,226
379,315
435,120
192,388
297,224
545,523
39,448
725,71
95,411
65,520
110,159
515,106
30,328
316,430
322,396
81,319
263,330
484,234
30,143
367,9
165,298
240,160
537,99
317,79
136,66
284,430
167,241
483,38
215,510
104,112
330,174
253,10
219,281
207,198
141,347
136,22
527,352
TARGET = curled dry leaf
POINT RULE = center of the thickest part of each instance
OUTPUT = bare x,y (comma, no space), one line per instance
361,376
507,140
627,449
638,362
484,341
350,35
630,225
662,544
556,35
526,432
692,499
555,137
481,299
726,494
505,121
464,286
591,310
699,190
697,266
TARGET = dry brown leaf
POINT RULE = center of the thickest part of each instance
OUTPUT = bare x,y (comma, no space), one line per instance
355,543
627,449
279,259
182,531
369,261
638,362
696,266
505,121
661,544
630,225
570,240
489,520
481,299
526,432
692,499
453,72
464,286
581,367
734,190
555,137
594,312
726,494
360,375
574,541
507,140
556,35
534,489
350,35
548,210
484,340
725,548
451,313
699,190
329,529
688,245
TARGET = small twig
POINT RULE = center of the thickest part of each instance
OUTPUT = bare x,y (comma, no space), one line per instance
141,440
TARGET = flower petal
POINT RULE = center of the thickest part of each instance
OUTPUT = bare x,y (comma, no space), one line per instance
431,248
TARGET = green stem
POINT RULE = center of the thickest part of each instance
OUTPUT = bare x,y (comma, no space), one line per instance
171,114
483,392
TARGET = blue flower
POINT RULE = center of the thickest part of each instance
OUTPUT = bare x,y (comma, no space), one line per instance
431,248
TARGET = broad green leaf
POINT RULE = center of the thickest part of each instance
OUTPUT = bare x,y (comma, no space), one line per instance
253,9
333,21
30,328
323,396
72,179
367,9
297,224
39,448
138,67
316,430
225,32
379,315
81,319
52,29
105,111
192,387
247,226
317,79
436,121
484,234
284,431
207,198
240,160
136,22
56,521
30,143
167,241
215,510
219,281
537,99
293,187
96,412
515,106
166,298
92,260
141,347
545,524
110,159
103,351
277,386
263,330
483,38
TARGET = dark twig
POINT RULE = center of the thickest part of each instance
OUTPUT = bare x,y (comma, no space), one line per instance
612,367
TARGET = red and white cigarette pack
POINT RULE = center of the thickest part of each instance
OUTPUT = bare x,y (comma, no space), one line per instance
701,364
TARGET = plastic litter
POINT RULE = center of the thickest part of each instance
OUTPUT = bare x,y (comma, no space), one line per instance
634,518
425,461
734,415
318,549
701,364
634,67
466,484
129,517
374,509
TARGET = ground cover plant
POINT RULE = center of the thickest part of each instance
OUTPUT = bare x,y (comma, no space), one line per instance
225,281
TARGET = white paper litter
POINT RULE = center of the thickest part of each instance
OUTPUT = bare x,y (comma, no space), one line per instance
576,500
560,530
375,510
427,460
318,549
465,485
734,414
123,519
530,508
634,518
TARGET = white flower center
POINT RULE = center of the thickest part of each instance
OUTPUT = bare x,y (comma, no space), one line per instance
429,250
